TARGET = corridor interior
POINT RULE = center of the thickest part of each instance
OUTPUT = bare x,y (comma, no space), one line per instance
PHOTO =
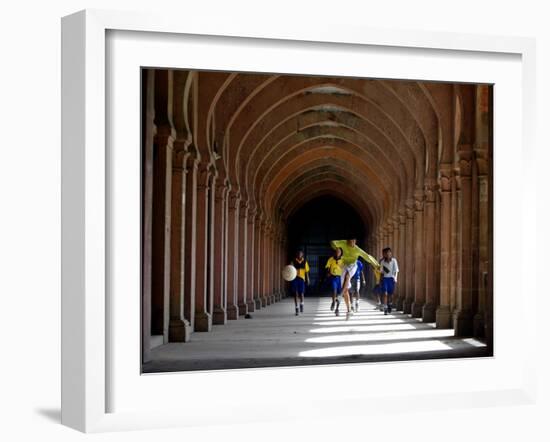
239,169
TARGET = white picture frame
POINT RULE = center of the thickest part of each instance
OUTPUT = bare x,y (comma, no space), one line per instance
87,319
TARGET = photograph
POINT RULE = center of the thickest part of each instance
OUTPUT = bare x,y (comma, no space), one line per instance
296,220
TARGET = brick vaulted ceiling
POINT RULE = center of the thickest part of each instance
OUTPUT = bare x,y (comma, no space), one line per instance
281,140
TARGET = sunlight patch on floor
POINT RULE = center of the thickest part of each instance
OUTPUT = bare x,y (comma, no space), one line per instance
374,349
416,334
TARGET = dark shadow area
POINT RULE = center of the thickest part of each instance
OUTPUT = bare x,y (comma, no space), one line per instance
313,226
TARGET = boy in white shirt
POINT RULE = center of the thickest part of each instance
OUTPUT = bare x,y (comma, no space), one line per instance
389,270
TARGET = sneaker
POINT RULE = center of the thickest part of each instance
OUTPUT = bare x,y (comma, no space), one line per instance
356,306
389,308
385,311
337,312
296,311
301,308
332,305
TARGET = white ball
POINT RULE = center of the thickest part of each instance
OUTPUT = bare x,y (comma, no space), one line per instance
289,273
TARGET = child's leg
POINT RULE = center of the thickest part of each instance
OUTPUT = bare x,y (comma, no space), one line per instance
345,291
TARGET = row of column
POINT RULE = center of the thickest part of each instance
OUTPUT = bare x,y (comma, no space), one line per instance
441,239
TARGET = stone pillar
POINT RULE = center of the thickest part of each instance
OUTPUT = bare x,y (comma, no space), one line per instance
179,328
257,261
242,259
263,265
455,239
419,256
220,256
394,244
232,254
409,257
203,319
402,284
428,310
162,204
271,264
483,267
190,239
443,313
250,260
267,263
463,316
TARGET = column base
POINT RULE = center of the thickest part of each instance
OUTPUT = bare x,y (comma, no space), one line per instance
232,312
399,303
273,300
416,310
407,306
243,309
263,300
443,317
258,303
479,325
251,306
179,330
203,322
463,323
268,300
220,316
428,313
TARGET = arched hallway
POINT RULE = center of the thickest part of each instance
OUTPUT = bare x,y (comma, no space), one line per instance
239,169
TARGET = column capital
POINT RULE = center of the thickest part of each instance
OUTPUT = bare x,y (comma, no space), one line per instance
431,186
465,157
233,199
243,213
419,200
445,177
482,159
221,191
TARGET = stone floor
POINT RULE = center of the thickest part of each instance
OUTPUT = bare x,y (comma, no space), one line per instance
274,336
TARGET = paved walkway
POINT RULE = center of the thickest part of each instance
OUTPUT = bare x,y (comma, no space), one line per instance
274,336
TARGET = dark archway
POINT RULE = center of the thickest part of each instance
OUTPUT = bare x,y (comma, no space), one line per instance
313,226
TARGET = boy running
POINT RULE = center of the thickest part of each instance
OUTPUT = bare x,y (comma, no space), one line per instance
298,284
350,253
390,269
335,267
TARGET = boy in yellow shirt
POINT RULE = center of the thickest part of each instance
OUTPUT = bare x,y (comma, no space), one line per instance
335,267
298,284
350,253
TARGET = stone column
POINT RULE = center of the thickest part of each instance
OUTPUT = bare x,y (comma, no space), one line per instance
271,264
190,268
257,261
267,263
455,239
443,313
250,260
463,316
220,256
242,258
409,256
402,284
483,267
162,204
419,256
394,244
428,310
180,328
232,254
203,319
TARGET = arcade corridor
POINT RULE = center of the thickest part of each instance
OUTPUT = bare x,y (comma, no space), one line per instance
240,169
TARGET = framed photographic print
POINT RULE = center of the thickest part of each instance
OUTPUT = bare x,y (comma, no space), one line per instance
249,213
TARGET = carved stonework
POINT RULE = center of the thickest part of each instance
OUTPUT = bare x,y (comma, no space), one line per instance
445,177
430,189
409,208
482,159
243,213
465,157
418,200
234,199
221,191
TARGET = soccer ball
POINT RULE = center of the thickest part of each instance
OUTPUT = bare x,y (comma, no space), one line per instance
289,273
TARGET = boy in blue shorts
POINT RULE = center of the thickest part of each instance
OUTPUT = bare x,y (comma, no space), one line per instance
389,270
335,267
356,281
298,284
